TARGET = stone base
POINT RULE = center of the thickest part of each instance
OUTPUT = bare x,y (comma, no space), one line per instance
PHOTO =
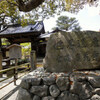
80,85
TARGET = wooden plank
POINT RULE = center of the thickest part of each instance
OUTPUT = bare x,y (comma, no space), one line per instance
0,57
0,63
13,67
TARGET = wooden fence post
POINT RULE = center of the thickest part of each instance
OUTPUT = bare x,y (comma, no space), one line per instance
33,60
0,63
15,71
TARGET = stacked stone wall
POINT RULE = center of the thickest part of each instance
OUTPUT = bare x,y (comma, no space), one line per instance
80,85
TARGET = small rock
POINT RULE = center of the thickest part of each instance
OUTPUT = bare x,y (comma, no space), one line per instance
48,98
23,95
29,80
36,97
38,72
67,96
95,97
25,84
54,91
49,80
94,80
40,69
62,83
83,89
96,91
35,81
39,90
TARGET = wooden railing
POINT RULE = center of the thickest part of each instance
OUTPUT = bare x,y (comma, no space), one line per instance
15,71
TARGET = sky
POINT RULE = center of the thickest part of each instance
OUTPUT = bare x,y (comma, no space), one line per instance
88,18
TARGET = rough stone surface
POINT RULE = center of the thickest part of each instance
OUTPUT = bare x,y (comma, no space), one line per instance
25,84
39,90
67,96
62,83
96,91
49,80
39,72
77,85
94,80
36,97
35,81
23,95
54,91
30,80
76,50
80,86
48,98
95,97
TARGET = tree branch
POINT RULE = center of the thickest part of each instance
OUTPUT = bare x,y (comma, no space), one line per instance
26,7
12,3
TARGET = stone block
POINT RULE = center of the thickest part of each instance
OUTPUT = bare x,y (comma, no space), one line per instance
66,51
23,95
67,96
39,90
54,91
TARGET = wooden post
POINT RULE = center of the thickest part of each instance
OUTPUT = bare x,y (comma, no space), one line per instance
0,57
9,73
0,62
15,71
33,60
33,55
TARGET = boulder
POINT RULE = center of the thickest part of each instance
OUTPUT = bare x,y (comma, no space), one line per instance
29,80
94,80
67,96
54,91
39,90
23,95
49,80
80,85
95,97
97,91
66,51
62,83
36,97
25,84
48,98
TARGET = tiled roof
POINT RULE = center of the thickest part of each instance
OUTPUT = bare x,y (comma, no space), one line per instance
18,29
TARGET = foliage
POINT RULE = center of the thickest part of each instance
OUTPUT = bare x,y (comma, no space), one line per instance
22,61
9,14
28,5
66,23
5,41
9,9
74,6
26,49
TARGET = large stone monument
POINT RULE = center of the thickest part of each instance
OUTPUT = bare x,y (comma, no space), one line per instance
72,50
65,52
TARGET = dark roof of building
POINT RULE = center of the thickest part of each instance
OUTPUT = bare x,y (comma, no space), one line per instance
18,29
47,35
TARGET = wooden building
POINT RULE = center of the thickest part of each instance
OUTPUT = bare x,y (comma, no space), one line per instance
17,34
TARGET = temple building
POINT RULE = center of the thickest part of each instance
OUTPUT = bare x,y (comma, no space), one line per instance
16,34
